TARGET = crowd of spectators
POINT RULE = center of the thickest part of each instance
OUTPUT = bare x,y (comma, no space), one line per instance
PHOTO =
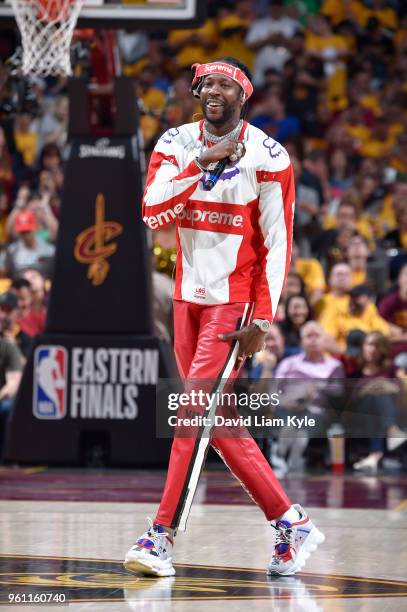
330,81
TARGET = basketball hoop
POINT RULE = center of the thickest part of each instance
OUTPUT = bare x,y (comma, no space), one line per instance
46,28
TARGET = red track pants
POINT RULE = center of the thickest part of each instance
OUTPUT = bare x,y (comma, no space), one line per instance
201,355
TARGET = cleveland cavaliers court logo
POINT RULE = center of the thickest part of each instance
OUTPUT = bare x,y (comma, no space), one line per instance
68,579
93,246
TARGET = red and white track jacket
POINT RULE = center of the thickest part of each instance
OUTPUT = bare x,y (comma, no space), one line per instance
233,242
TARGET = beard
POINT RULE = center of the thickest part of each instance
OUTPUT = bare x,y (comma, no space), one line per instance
227,114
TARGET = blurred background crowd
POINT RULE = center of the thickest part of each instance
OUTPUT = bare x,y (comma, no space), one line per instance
330,81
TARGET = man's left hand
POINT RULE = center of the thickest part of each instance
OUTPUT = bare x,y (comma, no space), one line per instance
250,338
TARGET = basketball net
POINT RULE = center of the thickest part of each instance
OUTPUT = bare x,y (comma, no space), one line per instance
46,28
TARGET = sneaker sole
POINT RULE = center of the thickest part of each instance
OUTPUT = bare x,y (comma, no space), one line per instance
143,567
310,545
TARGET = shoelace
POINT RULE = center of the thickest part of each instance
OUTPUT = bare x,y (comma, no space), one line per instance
155,535
283,536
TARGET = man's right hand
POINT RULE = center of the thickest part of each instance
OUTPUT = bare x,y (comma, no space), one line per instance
222,149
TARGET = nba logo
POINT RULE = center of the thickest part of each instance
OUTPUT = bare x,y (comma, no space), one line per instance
50,369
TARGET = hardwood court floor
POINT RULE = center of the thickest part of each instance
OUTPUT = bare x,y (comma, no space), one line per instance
76,547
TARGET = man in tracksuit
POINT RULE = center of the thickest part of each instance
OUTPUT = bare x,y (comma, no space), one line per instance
233,256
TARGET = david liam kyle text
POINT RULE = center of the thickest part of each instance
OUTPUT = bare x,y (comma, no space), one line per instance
242,421
105,381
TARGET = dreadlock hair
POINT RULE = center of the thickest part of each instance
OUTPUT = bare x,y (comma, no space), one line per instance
234,62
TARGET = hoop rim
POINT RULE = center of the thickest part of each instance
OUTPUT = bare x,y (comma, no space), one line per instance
46,29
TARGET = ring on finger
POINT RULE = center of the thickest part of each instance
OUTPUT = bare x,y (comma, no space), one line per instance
240,149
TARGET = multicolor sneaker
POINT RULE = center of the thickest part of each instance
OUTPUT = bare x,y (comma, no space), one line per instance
294,544
152,553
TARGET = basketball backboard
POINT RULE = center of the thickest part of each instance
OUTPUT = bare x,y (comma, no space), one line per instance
134,14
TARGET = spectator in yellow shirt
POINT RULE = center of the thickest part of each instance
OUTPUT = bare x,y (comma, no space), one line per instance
194,45
337,299
341,10
152,100
360,92
386,15
361,314
25,138
397,239
395,118
311,272
332,242
357,255
332,50
398,159
335,303
380,142
385,220
349,215
233,24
